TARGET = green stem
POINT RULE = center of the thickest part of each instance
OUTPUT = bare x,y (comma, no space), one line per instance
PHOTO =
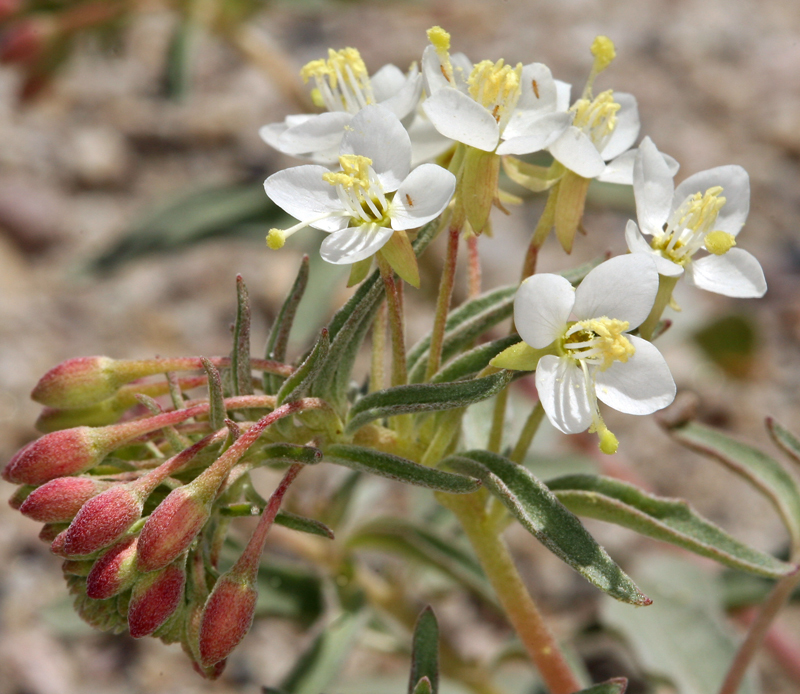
498,422
527,433
445,295
396,323
520,608
446,428
663,297
474,267
541,232
377,377
757,631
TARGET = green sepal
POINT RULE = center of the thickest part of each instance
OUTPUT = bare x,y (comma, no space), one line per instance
241,373
571,200
668,520
519,357
535,178
411,541
396,468
216,398
478,186
359,271
784,439
278,339
424,397
473,361
546,518
425,653
400,255
755,466
296,385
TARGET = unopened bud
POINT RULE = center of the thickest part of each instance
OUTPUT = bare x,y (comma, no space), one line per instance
20,495
50,531
103,413
103,519
114,572
100,614
155,597
227,618
58,500
57,545
60,454
77,567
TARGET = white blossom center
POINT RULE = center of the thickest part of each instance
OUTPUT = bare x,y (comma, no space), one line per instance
359,190
597,117
342,81
496,87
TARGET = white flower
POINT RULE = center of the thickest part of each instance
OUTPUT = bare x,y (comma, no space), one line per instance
596,357
706,212
343,87
483,104
372,196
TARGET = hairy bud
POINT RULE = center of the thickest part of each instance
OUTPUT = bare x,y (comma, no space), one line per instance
78,382
155,597
227,618
58,500
114,572
20,494
50,531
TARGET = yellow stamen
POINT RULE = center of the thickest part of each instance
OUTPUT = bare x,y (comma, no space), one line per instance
608,442
719,242
597,117
354,173
604,53
275,239
600,341
342,80
496,86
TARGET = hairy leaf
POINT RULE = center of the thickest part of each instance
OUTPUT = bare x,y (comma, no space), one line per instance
241,373
296,385
784,439
425,652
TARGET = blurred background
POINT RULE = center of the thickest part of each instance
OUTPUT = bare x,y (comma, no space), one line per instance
130,197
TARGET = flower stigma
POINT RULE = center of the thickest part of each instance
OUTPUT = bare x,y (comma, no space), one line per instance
440,40
496,87
691,226
359,190
342,81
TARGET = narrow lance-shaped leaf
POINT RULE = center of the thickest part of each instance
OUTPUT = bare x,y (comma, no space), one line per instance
284,518
397,468
784,439
425,652
336,509
668,520
296,385
473,361
278,339
545,517
424,397
241,374
350,350
289,453
216,398
762,471
397,536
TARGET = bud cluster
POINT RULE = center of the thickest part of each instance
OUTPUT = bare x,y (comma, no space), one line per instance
134,506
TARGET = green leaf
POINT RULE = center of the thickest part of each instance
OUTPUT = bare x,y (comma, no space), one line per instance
397,468
784,439
424,686
425,652
290,453
668,520
398,536
336,509
296,385
474,360
241,373
278,339
463,325
318,666
424,397
617,685
216,398
284,518
762,471
545,517
684,636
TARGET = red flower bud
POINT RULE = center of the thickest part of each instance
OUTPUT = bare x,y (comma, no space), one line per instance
23,41
78,382
57,545
72,567
227,618
114,572
50,531
20,494
60,454
210,673
60,499
173,525
103,519
155,597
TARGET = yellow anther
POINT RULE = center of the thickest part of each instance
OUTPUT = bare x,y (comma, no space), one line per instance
604,53
276,238
719,242
597,117
495,86
701,210
316,98
604,339
608,442
354,173
336,66
342,81
440,40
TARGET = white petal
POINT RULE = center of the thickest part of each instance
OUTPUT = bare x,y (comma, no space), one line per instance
563,92
620,169
528,131
406,99
270,133
422,196
302,193
386,82
736,273
462,68
627,128
577,152
672,163
544,96
375,132
623,287
641,385
352,244
562,392
460,117
426,141
652,188
638,244
735,188
542,307
320,132
432,78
